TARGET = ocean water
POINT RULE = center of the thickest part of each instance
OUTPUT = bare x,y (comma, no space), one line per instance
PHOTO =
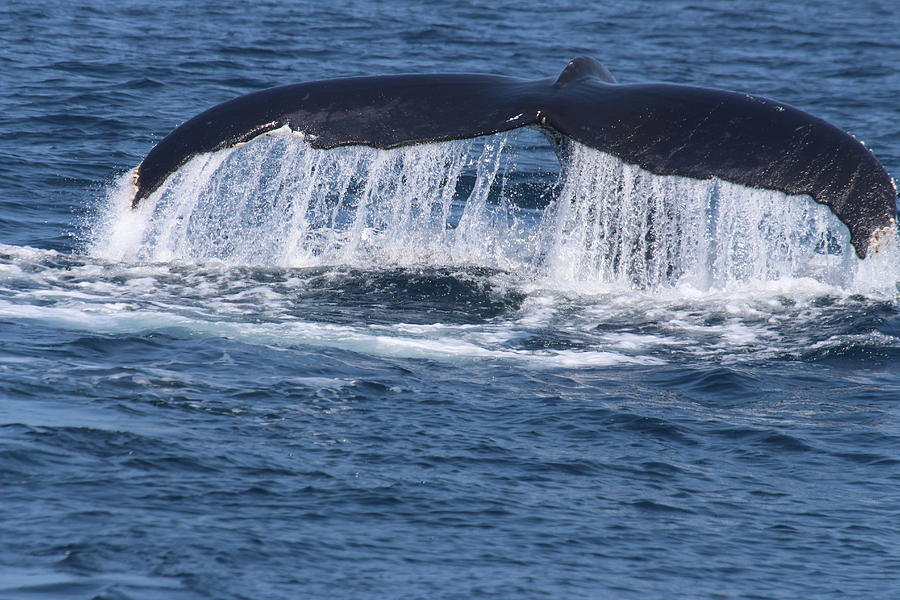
442,371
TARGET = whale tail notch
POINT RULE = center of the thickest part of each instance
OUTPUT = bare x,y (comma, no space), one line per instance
663,128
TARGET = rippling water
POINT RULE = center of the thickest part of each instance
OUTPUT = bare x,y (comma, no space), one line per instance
442,371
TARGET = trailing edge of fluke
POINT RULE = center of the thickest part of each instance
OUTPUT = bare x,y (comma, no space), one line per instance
663,128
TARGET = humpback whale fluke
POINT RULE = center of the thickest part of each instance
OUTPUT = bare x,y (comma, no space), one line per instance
664,128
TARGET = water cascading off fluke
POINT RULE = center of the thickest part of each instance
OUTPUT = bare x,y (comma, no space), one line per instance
278,202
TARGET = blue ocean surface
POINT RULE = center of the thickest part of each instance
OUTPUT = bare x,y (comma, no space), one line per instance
414,373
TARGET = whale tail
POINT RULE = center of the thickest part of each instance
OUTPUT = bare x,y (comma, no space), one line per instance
663,128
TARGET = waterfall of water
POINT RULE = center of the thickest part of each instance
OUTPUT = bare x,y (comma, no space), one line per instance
276,201
616,222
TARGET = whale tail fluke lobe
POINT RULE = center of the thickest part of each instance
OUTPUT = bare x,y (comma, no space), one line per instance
666,129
